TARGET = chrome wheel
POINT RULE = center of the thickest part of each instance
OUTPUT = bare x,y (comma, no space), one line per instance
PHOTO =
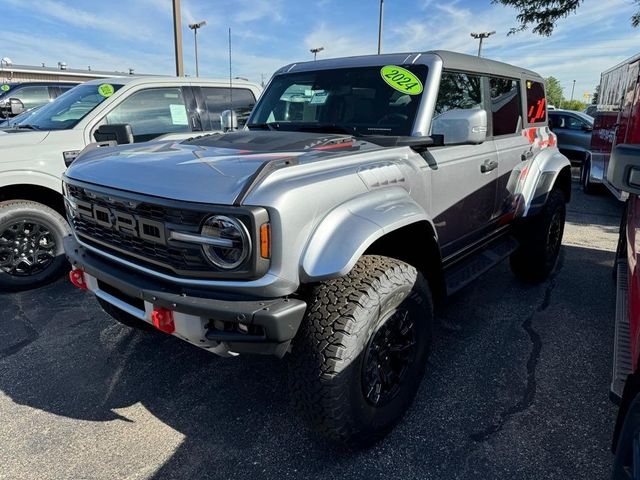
26,248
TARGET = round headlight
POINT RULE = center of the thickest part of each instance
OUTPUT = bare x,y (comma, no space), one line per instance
230,244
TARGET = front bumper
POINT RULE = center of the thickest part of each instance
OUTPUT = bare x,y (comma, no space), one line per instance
223,325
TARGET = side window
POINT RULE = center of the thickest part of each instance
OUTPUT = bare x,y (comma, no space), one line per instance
506,109
152,113
536,102
458,91
33,96
218,100
573,123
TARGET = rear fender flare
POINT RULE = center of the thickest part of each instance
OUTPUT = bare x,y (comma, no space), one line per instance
348,230
549,169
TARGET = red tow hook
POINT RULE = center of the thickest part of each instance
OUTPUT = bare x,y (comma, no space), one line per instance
77,278
163,319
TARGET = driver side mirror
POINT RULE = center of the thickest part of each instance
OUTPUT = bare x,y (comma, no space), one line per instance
623,171
461,126
229,120
16,106
121,134
587,128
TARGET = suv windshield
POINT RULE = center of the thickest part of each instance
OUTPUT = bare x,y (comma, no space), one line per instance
68,109
360,101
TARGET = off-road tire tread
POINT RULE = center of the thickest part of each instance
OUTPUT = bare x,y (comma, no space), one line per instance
331,335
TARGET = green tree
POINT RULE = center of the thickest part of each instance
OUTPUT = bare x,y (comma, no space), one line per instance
575,105
543,15
554,91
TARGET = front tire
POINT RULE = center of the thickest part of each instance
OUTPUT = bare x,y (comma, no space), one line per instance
361,352
31,250
540,238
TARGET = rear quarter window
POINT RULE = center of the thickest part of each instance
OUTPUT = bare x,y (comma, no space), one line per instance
536,102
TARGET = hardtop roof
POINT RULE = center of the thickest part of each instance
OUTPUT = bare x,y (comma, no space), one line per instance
450,60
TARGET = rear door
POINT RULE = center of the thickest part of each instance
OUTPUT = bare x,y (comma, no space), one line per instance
507,120
215,100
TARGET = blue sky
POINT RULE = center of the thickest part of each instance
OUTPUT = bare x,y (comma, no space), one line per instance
118,34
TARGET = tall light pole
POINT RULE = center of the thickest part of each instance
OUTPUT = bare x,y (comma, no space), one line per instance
481,36
315,52
177,37
195,27
573,87
380,18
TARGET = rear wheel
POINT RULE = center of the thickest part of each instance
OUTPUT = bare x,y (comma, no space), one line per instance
540,238
585,178
31,251
360,355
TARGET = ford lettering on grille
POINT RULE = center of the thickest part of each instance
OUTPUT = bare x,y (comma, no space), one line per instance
122,222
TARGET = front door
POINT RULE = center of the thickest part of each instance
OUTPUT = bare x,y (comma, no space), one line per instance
463,177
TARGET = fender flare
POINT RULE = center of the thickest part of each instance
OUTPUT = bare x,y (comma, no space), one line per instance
346,232
547,168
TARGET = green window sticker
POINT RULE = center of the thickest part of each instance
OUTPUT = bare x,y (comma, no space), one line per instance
5,88
401,79
106,90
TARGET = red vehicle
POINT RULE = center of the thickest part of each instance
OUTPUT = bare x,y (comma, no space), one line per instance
617,121
616,141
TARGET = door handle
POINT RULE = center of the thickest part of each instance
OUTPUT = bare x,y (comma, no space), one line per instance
488,165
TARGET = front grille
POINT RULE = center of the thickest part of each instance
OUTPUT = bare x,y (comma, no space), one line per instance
171,257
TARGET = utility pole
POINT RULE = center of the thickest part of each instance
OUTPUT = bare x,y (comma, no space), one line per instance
481,36
195,27
380,19
573,87
177,37
315,52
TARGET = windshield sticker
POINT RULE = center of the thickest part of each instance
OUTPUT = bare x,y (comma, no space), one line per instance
178,114
106,90
5,88
319,98
401,79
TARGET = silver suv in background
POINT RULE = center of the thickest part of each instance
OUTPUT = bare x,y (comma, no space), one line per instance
36,152
361,191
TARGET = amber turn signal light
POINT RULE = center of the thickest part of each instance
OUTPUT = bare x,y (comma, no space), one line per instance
265,240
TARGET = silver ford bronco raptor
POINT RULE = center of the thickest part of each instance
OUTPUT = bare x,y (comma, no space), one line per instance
361,191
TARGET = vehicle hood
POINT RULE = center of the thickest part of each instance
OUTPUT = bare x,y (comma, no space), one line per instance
12,137
209,169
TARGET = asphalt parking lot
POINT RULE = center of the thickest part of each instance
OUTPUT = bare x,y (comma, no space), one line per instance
517,388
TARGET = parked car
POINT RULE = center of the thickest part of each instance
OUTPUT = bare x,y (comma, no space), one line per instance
362,190
573,130
36,153
616,122
16,98
624,174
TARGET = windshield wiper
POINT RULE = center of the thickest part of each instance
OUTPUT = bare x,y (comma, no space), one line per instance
26,126
325,127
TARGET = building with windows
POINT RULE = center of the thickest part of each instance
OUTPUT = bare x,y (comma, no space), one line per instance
11,73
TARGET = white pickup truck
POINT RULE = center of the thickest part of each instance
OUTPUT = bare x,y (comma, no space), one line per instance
34,154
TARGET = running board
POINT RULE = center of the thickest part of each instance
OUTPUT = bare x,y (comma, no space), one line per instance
622,362
468,269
